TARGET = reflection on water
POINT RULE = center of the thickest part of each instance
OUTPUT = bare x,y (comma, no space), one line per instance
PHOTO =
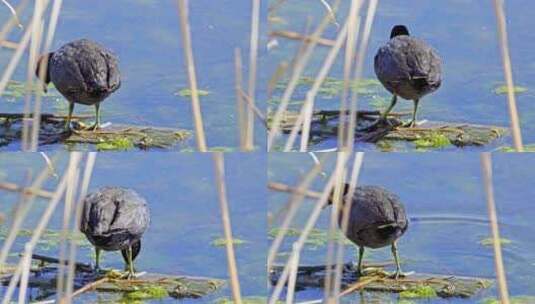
443,195
180,189
463,32
146,37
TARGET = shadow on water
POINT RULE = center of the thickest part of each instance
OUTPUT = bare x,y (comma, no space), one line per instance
448,232
145,35
463,32
180,189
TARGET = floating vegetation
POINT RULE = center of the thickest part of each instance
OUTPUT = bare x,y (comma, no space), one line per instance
50,239
117,144
333,87
220,242
316,238
419,292
502,89
188,92
490,242
148,293
512,300
527,148
433,140
17,90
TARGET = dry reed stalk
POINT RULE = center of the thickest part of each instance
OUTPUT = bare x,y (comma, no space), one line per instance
297,36
333,223
25,203
238,66
308,106
357,164
294,266
192,77
293,205
25,272
67,213
251,87
298,68
54,15
279,73
219,166
340,164
35,44
285,188
349,58
486,167
256,111
38,231
88,170
361,55
507,69
8,26
25,190
13,12
9,44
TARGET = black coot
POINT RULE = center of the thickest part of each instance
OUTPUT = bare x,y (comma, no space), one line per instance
407,67
377,219
83,72
115,219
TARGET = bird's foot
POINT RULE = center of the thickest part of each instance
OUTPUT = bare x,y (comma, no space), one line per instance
376,124
371,271
398,274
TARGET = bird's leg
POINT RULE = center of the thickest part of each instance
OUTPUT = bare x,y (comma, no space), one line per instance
398,272
412,123
97,260
130,264
384,116
359,265
97,117
67,126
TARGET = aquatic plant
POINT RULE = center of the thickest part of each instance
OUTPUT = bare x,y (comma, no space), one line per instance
433,140
220,242
333,87
512,300
316,238
148,293
188,92
246,300
489,241
502,89
420,292
118,144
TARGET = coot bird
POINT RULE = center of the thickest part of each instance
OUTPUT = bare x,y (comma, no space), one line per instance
377,219
407,67
113,219
83,72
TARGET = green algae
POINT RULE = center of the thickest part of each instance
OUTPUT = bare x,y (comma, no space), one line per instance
527,148
50,239
502,89
489,241
333,87
434,140
188,92
17,90
148,293
419,292
117,144
220,242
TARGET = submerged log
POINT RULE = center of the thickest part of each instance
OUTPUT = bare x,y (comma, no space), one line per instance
114,137
445,286
44,278
426,135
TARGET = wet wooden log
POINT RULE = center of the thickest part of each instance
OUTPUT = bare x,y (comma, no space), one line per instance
445,286
114,137
44,278
325,125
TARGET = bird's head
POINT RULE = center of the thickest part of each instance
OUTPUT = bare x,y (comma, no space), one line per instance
44,63
345,190
399,30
